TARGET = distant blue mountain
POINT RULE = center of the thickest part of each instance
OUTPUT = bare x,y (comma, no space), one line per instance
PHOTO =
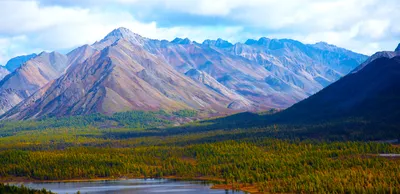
16,62
372,92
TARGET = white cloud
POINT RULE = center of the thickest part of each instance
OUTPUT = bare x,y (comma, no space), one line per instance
59,28
361,25
374,29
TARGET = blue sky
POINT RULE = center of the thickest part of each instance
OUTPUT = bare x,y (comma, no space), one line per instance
364,26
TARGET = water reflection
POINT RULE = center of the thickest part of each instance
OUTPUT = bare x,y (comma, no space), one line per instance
132,186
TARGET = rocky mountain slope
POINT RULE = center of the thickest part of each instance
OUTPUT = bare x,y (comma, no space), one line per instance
36,73
30,77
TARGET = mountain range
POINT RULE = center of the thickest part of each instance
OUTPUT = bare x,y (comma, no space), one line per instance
370,92
363,105
125,71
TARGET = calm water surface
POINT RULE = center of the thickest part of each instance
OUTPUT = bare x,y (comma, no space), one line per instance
132,186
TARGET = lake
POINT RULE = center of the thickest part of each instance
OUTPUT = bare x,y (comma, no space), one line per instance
134,186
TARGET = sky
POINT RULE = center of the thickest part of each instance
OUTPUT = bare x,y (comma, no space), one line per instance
32,26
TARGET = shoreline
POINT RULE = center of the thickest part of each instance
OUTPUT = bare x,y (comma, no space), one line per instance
214,181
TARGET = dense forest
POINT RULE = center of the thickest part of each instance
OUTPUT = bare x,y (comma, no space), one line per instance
11,189
270,158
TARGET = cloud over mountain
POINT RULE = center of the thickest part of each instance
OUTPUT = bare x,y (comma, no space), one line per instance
360,25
